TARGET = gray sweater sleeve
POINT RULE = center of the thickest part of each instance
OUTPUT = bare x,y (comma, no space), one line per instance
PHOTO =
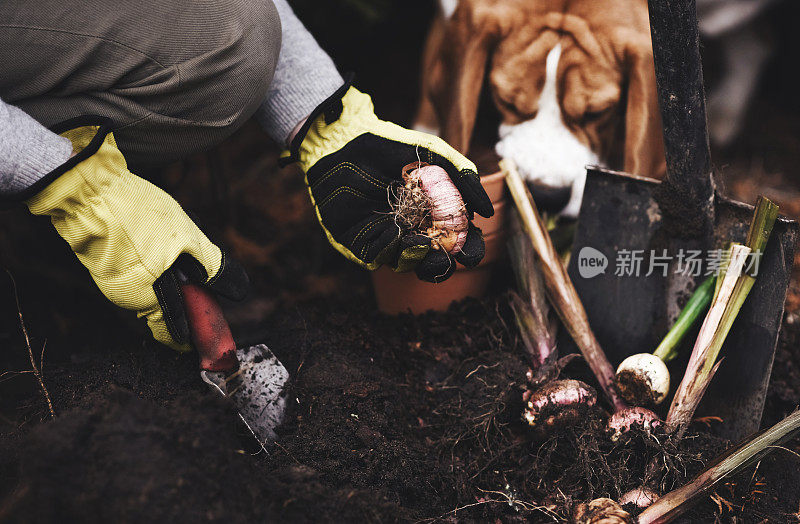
28,150
305,76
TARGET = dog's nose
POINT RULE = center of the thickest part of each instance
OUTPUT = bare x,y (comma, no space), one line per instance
550,199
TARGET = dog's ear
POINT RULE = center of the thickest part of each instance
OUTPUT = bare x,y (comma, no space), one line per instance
469,37
644,141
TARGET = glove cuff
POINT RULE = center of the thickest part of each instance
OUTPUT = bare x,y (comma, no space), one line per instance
96,150
87,145
331,108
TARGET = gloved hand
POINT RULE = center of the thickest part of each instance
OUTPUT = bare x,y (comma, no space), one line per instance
131,235
351,158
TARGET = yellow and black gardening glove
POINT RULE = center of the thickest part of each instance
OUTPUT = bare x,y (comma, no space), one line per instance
352,159
131,236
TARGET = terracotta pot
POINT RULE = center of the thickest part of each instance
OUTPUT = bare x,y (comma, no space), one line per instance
404,292
492,225
495,186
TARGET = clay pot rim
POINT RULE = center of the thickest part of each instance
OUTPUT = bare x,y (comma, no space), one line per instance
491,178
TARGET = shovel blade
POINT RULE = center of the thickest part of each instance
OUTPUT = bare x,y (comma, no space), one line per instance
631,308
258,390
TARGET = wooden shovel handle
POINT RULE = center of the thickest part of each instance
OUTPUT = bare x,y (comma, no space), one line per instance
681,96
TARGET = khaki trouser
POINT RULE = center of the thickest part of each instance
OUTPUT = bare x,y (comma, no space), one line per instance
175,76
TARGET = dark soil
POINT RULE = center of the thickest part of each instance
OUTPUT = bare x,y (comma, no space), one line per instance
393,418
396,419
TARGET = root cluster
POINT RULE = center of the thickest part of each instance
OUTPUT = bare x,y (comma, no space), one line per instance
411,207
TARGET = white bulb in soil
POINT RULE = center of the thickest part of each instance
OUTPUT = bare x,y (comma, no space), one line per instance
642,380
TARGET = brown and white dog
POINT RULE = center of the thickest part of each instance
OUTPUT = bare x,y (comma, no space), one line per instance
573,81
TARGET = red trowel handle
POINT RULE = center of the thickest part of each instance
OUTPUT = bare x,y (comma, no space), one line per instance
210,332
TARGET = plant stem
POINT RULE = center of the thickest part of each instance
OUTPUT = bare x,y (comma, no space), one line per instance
723,268
764,217
558,286
766,213
531,287
535,336
703,362
702,366
37,372
677,502
668,348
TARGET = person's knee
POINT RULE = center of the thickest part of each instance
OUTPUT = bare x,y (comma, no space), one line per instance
253,37
214,85
175,77
232,74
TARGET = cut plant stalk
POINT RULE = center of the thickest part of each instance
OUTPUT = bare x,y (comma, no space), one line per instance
643,379
677,502
565,300
558,286
764,217
732,290
703,362
549,403
532,311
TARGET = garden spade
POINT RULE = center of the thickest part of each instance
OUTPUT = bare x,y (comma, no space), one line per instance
257,387
642,246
